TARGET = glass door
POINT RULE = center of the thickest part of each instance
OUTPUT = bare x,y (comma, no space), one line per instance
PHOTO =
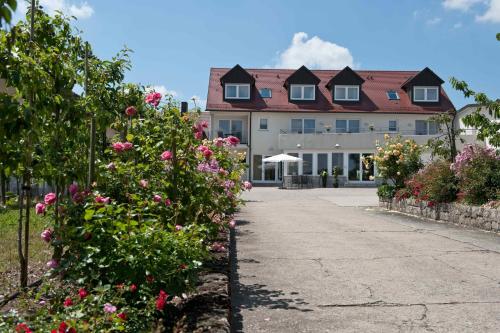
269,171
367,167
361,167
354,166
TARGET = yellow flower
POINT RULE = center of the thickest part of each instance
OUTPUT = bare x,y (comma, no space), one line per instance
387,136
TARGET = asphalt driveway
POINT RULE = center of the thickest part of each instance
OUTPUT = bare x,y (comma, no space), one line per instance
323,260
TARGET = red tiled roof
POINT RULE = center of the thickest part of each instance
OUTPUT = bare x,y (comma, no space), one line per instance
373,94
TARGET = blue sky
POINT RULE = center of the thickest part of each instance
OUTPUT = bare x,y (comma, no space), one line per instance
176,42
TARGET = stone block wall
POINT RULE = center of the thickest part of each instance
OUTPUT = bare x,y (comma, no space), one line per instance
470,216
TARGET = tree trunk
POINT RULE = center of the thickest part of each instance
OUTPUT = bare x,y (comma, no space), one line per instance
20,236
24,272
2,187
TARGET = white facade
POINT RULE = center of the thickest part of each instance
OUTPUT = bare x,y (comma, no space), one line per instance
320,146
471,131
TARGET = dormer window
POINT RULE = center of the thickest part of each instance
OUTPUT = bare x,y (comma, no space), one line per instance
346,93
237,91
302,92
425,94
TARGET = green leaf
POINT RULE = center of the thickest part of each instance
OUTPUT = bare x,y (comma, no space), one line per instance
89,213
130,137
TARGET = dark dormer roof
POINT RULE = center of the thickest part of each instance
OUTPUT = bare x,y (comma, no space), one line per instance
426,77
346,77
302,76
237,74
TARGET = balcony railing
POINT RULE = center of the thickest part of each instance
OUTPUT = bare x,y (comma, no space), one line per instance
239,135
375,130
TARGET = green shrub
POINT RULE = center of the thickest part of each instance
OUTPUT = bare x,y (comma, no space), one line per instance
386,191
435,183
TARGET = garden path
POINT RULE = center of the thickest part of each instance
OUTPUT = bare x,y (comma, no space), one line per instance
323,260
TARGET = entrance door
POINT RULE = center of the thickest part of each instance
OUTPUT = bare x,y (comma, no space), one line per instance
361,167
270,171
368,168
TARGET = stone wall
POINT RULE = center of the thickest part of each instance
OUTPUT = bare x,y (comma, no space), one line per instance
469,216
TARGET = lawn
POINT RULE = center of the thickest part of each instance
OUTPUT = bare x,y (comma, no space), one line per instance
39,252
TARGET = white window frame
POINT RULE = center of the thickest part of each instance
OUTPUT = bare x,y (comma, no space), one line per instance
302,86
426,88
267,124
346,87
302,128
237,85
348,125
389,125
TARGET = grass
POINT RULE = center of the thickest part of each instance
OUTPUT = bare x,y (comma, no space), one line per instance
38,250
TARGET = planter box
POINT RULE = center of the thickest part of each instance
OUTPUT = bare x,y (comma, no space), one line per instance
469,216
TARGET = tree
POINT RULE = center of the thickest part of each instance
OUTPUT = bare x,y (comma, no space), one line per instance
7,7
445,145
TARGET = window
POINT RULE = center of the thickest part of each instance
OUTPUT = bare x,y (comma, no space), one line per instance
263,124
265,92
293,167
237,91
424,127
392,95
257,167
307,164
347,126
338,161
232,127
393,126
302,92
303,126
346,93
425,94
322,162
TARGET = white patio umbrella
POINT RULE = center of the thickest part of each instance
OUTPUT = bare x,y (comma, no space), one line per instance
281,158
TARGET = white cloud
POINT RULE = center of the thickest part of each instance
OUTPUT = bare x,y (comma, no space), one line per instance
162,90
81,11
492,14
463,5
433,21
314,53
457,25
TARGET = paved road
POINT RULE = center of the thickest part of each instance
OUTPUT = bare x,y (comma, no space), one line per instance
321,260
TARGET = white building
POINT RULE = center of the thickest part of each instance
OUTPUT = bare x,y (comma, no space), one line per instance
467,110
329,118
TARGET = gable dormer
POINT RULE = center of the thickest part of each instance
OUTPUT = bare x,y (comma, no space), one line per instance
302,85
237,84
346,86
424,87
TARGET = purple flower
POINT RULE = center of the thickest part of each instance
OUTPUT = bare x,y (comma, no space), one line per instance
52,263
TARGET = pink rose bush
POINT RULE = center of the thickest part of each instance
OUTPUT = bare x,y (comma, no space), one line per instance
153,98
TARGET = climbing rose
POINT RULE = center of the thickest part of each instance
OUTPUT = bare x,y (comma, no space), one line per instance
109,308
232,140
46,235
122,316
168,202
144,183
73,188
130,111
161,300
153,98
52,263
82,293
68,302
50,198
166,155
102,200
157,198
40,208
247,185
118,147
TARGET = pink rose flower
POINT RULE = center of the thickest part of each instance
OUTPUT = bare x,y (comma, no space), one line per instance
102,200
40,208
46,235
223,172
232,224
232,140
247,185
109,308
118,147
219,142
198,135
73,188
144,183
166,155
128,145
52,263
50,198
130,111
168,202
153,98
218,247
178,227
157,198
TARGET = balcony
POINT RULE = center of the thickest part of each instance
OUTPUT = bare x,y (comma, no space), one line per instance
362,138
240,135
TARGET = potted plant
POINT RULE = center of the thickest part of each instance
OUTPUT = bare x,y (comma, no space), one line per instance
336,173
324,177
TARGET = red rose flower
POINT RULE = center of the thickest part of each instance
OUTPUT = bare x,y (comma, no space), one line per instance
133,288
23,327
68,302
82,293
161,300
122,316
